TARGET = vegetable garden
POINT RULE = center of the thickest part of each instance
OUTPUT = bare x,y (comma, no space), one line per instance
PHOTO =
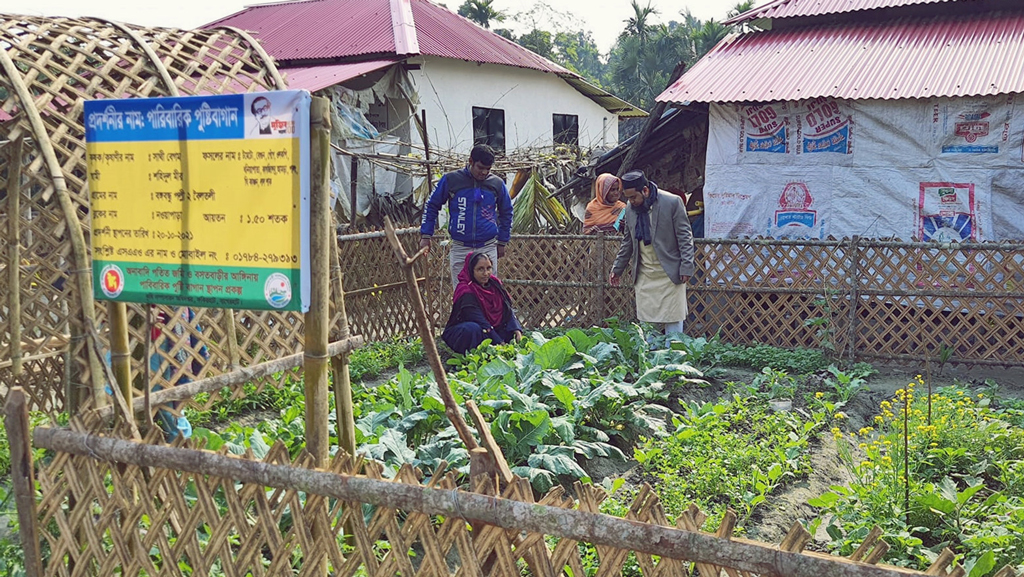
607,419
566,405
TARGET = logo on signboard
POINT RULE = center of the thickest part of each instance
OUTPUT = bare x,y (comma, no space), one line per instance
112,280
277,290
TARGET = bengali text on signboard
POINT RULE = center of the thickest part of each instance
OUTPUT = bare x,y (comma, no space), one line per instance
201,201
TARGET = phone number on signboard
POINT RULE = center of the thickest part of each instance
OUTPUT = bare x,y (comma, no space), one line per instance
264,257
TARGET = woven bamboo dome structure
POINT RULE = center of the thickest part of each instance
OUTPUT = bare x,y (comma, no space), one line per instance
48,68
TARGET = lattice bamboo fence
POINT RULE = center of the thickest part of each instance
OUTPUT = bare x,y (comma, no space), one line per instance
864,299
871,299
109,506
48,316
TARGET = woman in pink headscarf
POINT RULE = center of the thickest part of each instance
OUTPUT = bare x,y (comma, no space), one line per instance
481,308
605,209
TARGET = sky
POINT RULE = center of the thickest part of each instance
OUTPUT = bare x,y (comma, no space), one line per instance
604,18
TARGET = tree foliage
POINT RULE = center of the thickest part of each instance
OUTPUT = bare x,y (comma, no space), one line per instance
481,11
640,63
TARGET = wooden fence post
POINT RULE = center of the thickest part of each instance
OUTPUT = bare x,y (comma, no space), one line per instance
23,476
853,255
14,252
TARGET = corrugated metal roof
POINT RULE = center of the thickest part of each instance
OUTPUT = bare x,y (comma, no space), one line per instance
321,29
905,58
603,98
338,29
313,78
794,8
442,33
318,29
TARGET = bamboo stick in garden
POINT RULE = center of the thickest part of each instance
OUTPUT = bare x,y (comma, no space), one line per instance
345,420
14,251
451,408
23,477
231,379
500,465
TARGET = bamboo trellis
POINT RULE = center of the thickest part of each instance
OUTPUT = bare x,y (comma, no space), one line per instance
49,67
863,299
112,506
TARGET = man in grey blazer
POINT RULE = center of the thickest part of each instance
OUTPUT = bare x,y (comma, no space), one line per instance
656,231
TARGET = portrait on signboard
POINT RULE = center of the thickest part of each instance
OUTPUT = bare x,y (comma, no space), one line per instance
267,118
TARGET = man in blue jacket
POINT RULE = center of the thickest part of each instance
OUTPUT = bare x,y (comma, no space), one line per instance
479,211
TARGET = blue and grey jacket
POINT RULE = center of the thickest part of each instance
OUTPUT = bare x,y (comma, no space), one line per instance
478,211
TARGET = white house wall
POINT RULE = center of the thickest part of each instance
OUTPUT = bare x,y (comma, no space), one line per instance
449,89
944,169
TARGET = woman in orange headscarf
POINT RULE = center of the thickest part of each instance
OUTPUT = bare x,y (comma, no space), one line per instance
605,209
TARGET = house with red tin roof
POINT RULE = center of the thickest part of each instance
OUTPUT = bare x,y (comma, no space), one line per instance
876,118
474,85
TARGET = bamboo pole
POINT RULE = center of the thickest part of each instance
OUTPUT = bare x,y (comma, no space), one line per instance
79,252
451,408
342,380
120,357
596,528
499,464
375,234
14,251
345,420
426,152
10,362
234,356
652,120
380,288
23,476
854,270
231,379
353,193
316,319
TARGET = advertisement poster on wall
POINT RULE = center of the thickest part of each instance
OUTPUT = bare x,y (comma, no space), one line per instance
201,201
976,126
764,128
946,212
823,125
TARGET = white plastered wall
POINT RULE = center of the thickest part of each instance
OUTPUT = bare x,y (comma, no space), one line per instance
449,89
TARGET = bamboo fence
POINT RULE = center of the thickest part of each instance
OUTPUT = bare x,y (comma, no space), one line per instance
110,506
862,299
51,330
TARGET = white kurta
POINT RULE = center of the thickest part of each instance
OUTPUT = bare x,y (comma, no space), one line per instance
658,299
